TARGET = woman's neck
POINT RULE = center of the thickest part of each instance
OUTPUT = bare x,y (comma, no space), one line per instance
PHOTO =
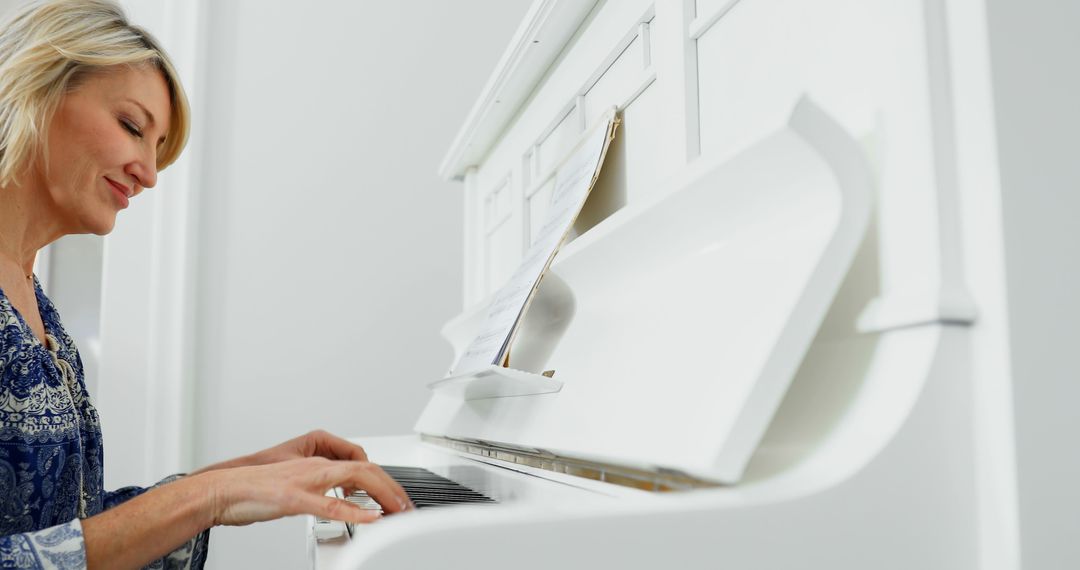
26,226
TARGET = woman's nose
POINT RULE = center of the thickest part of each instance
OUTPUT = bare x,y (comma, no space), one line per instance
144,170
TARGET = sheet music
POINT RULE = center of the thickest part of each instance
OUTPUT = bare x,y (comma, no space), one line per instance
573,181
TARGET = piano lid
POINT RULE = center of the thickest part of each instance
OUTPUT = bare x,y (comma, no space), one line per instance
675,327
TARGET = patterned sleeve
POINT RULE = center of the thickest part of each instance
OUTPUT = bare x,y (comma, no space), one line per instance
55,548
191,555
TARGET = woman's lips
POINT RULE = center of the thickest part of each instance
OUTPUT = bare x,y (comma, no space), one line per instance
120,191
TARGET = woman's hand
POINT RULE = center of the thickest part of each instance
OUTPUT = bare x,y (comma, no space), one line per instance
243,495
292,478
171,514
318,443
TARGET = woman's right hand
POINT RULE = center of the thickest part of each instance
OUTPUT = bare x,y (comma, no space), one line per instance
244,495
171,514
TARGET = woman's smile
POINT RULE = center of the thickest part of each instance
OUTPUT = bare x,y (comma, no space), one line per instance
122,193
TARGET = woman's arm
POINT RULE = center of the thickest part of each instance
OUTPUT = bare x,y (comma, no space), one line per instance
149,526
153,524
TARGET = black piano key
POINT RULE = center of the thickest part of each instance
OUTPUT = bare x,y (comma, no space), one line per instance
450,498
426,489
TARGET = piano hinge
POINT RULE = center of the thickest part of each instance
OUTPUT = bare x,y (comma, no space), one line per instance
660,480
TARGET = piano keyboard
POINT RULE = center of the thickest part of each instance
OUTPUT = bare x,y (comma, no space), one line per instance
425,488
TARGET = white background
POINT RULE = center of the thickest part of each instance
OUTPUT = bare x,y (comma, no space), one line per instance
1036,84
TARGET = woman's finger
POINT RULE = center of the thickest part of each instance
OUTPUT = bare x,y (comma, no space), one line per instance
334,447
334,509
375,481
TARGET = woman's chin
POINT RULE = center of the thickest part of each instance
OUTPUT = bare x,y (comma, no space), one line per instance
101,226
104,230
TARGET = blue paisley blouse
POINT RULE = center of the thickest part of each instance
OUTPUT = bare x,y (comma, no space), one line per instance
51,451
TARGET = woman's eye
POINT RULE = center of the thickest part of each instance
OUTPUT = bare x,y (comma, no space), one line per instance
131,128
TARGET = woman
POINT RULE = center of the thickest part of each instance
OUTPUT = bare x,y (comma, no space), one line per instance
90,109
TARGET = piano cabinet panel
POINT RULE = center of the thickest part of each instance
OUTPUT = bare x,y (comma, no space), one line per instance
866,64
502,233
639,166
605,66
616,83
631,172
708,8
537,204
498,205
757,60
554,145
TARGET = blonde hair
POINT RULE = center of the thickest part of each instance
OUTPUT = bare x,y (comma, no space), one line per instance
47,48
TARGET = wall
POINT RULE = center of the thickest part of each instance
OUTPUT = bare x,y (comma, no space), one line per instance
329,252
147,286
1034,49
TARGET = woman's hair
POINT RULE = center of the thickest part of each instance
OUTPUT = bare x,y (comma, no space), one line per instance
46,49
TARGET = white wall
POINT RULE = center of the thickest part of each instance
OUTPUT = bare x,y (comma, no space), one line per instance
330,253
147,291
1034,52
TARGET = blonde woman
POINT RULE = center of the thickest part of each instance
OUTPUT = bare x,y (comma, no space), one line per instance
90,110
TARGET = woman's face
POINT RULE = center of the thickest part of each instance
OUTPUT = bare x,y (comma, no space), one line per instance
102,146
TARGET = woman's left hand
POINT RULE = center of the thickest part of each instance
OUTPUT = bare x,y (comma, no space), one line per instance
318,443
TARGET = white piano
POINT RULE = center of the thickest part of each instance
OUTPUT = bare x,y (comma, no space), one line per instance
760,333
